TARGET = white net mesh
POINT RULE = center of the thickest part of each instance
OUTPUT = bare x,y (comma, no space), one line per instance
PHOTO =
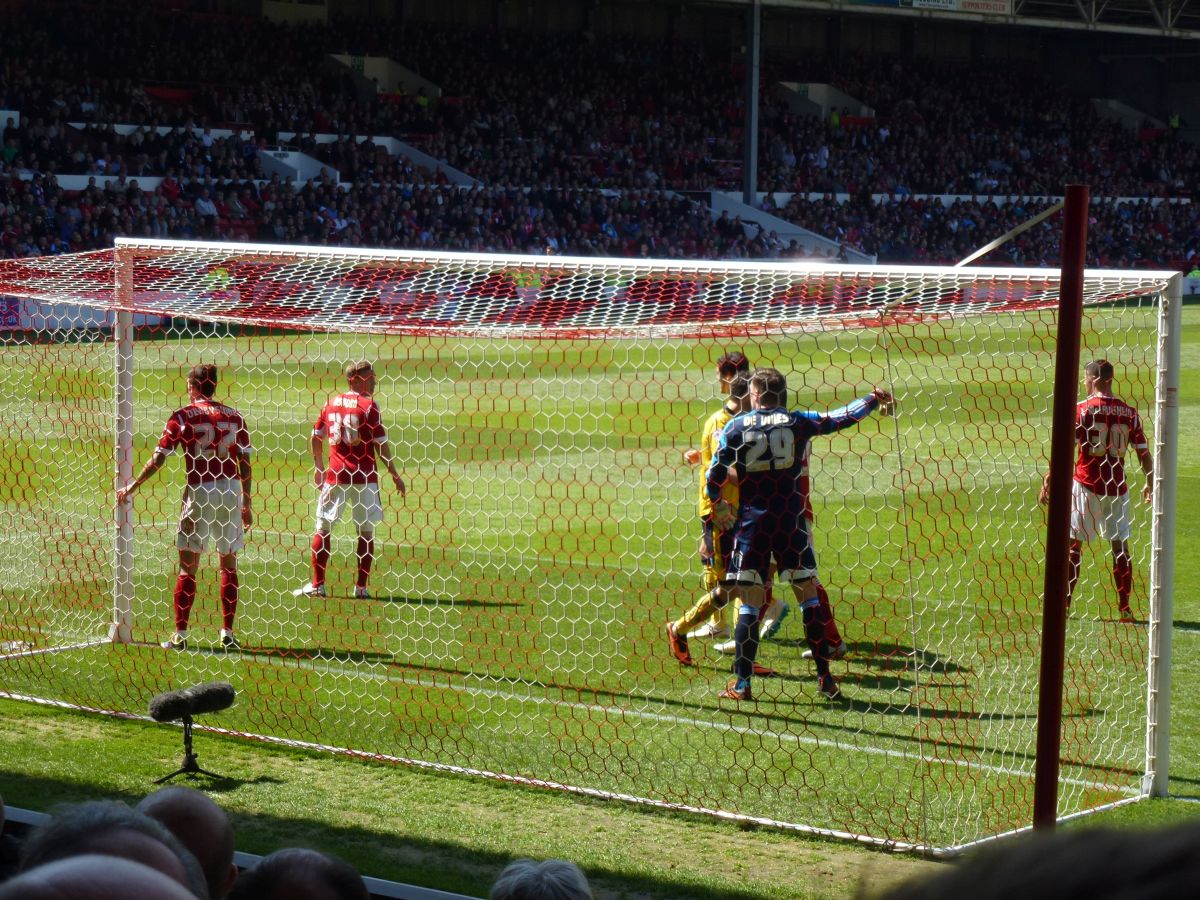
518,595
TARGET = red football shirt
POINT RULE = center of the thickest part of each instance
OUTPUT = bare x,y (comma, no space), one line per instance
353,427
1105,428
213,437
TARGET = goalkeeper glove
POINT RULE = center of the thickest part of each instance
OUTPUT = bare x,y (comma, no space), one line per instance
723,515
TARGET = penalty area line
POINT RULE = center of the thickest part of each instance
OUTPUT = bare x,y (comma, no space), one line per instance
687,721
42,650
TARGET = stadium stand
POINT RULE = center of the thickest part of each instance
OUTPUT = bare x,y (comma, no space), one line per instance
192,128
1124,233
582,144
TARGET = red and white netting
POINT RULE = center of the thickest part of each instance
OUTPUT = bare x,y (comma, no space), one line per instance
539,408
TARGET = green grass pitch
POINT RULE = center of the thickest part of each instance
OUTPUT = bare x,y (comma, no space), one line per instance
550,532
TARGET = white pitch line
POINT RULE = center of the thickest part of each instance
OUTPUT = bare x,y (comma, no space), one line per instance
42,650
493,693
303,548
687,721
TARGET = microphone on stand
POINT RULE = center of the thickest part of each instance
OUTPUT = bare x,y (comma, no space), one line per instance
212,696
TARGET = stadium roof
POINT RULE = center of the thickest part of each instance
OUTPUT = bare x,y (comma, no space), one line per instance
1167,18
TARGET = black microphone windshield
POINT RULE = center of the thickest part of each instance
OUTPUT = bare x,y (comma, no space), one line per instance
169,706
212,696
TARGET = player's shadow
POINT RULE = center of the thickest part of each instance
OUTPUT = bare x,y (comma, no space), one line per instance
925,711
900,657
318,654
893,684
889,666
440,601
599,696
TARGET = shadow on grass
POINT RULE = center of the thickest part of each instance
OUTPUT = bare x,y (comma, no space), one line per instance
216,783
318,653
444,865
313,653
890,657
784,709
441,601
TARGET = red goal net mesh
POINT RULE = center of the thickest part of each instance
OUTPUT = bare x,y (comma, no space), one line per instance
539,410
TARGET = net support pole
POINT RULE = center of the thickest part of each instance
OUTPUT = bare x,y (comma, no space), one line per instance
121,630
1162,541
1062,447
753,67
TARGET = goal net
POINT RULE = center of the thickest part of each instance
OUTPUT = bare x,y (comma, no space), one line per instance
539,410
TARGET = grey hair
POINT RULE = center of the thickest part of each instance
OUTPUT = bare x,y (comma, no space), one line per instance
70,830
552,879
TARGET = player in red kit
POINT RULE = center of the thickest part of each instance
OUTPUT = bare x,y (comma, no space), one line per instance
353,427
216,501
1105,429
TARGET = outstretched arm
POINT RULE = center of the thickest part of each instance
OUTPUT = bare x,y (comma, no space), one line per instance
851,414
719,469
152,465
385,453
245,476
1146,458
316,446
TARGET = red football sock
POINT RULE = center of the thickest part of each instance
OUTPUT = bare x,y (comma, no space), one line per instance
185,596
832,635
320,557
366,555
1123,578
229,597
1075,556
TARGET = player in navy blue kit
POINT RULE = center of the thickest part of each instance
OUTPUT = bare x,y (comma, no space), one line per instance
764,450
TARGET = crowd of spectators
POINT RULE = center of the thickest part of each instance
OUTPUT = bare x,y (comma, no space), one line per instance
942,128
925,231
39,217
190,152
551,126
582,110
178,844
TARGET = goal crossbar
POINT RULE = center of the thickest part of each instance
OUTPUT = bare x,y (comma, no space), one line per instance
540,407
480,294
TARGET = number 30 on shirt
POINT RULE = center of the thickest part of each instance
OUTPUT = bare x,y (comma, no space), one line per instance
1107,440
344,428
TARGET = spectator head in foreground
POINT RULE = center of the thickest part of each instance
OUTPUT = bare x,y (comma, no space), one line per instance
552,879
299,874
93,877
110,828
1097,863
201,826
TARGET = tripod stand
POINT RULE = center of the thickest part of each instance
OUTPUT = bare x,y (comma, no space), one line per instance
190,766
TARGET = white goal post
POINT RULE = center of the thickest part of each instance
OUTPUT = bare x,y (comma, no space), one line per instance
539,408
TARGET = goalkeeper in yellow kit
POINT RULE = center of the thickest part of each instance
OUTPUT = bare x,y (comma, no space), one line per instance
733,370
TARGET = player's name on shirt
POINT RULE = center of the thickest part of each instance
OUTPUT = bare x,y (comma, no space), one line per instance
346,402
755,420
1110,410
204,410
